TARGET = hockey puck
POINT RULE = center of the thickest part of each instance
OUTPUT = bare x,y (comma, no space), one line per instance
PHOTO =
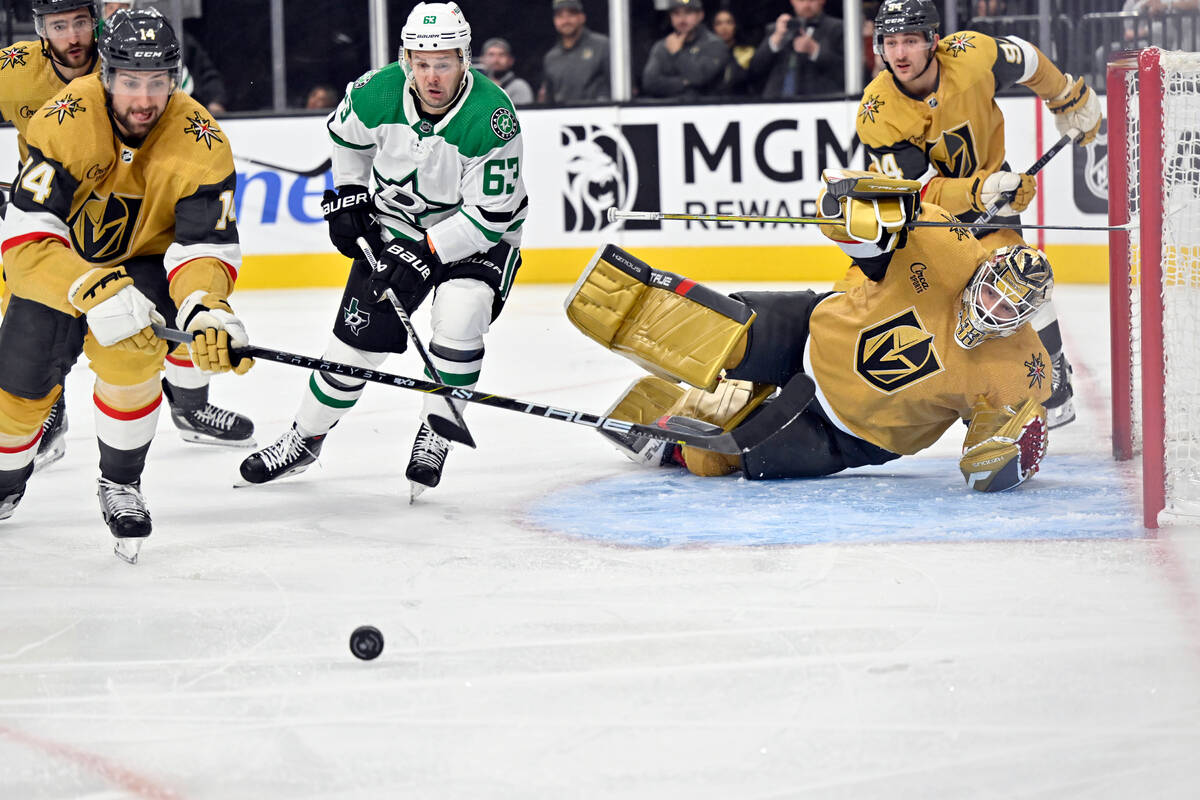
366,642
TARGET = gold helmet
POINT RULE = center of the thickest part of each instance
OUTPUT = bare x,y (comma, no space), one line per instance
1005,291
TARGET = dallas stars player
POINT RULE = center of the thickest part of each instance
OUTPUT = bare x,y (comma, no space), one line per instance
931,116
122,214
30,74
936,333
440,146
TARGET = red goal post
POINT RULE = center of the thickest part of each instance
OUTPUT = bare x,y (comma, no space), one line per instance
1154,273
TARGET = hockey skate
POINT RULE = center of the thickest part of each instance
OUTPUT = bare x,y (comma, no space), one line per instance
1060,408
54,430
426,462
124,511
201,422
8,501
291,454
642,449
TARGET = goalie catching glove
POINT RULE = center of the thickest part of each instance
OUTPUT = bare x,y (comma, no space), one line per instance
1004,447
869,208
118,314
215,331
1076,107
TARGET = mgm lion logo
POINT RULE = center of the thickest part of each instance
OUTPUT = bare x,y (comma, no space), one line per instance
896,353
601,173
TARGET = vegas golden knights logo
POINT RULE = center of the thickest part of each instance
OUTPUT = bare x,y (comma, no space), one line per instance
103,227
953,153
896,353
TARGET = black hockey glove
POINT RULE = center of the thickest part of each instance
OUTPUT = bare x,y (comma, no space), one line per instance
406,268
349,214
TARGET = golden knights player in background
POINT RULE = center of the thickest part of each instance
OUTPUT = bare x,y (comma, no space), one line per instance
937,333
122,214
931,116
30,74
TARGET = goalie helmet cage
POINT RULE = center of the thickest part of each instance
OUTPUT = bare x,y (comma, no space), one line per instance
1154,273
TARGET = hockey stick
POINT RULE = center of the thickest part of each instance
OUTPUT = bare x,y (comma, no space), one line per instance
461,434
320,169
774,416
615,214
994,209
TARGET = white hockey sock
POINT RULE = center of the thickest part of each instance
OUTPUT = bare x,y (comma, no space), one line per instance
457,368
325,402
183,374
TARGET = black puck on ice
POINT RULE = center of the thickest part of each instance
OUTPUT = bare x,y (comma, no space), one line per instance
366,642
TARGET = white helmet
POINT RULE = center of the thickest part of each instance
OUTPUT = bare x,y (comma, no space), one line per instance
435,26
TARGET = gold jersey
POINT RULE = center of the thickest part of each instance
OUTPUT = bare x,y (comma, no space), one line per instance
85,197
884,356
28,78
957,130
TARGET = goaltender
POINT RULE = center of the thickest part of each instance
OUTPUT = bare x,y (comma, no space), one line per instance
936,334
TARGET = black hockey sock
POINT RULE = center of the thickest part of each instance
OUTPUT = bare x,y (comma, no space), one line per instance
1051,339
185,399
122,466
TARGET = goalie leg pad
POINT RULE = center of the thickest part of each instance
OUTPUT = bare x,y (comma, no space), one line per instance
1004,447
644,401
728,405
671,326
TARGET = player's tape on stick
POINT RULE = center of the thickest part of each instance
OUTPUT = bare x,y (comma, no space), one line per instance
774,416
615,214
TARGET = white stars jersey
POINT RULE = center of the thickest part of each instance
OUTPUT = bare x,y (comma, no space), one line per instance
457,179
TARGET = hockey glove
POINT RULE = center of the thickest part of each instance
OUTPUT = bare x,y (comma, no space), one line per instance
349,214
215,330
118,315
1014,192
1076,107
406,268
1004,447
873,209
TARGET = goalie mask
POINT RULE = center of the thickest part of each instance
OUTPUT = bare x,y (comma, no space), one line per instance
140,40
436,26
1005,291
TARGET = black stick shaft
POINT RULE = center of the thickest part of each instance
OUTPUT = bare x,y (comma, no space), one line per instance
1062,142
320,169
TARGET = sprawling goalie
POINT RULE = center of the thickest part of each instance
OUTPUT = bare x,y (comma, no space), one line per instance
937,334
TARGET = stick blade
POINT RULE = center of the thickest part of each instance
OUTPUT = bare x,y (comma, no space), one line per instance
449,429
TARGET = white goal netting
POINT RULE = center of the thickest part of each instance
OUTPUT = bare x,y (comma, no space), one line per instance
1168,212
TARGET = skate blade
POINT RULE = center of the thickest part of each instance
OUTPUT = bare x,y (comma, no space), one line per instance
1060,415
127,549
191,437
414,491
51,456
242,483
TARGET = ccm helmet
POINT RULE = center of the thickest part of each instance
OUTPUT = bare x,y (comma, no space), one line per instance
435,26
906,16
139,39
43,7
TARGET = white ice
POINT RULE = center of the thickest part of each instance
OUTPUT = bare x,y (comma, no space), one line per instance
560,623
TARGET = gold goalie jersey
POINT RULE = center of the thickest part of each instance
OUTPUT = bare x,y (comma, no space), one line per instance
957,130
27,80
86,198
909,380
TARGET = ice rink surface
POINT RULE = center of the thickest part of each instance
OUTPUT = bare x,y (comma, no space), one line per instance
562,624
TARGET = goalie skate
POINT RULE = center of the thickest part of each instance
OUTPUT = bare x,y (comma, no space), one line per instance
1060,407
426,462
54,431
291,454
124,511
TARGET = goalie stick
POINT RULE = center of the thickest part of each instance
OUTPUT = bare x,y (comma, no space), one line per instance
776,415
982,223
461,434
320,169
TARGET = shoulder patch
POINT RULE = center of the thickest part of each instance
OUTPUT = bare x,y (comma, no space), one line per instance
203,129
959,43
870,107
13,57
365,78
504,124
64,107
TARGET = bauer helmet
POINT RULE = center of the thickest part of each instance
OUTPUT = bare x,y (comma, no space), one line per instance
43,7
1005,291
436,26
906,16
140,39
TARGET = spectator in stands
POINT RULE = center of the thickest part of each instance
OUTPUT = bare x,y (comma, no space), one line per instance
497,61
321,97
689,61
727,29
801,54
576,69
201,78
872,63
990,8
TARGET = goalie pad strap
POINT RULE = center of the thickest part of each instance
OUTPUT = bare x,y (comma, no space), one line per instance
668,324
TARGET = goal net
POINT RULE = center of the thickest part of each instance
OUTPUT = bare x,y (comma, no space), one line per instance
1154,281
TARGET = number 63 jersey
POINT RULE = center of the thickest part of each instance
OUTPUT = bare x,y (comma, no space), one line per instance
85,198
457,178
